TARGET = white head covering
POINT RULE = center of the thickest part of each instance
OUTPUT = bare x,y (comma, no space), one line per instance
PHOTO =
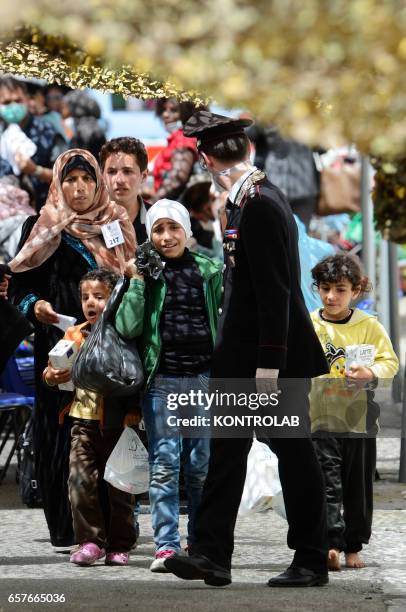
168,209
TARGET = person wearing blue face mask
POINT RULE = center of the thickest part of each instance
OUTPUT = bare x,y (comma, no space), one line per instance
14,112
14,109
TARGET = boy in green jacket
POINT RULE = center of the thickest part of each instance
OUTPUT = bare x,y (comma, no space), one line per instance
176,317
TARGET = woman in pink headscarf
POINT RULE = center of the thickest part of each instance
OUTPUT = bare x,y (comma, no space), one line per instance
57,248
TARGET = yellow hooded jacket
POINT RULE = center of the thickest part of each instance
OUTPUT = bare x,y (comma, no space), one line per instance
334,406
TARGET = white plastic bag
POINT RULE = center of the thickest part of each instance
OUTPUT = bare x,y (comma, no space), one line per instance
278,505
15,142
262,482
127,468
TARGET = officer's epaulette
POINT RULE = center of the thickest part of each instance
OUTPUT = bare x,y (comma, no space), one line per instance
251,193
248,188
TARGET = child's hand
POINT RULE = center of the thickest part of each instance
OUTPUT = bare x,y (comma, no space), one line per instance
54,377
132,271
359,376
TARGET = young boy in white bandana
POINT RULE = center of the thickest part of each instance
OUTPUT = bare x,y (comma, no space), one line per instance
176,316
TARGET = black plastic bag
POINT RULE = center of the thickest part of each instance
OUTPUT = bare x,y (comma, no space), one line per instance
148,260
108,364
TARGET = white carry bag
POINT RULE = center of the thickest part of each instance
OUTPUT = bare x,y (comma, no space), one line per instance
262,485
127,468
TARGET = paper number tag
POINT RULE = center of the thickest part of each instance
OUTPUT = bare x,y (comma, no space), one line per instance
112,234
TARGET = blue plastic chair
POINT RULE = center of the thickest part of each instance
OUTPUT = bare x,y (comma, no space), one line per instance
14,411
16,401
18,377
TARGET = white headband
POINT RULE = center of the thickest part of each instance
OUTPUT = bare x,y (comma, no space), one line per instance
168,209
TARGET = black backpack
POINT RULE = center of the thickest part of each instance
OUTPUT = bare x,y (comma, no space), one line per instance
29,488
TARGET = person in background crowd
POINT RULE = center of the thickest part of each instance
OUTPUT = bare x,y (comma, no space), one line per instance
290,166
14,210
124,162
14,110
344,415
311,251
264,332
203,204
57,248
54,97
54,104
176,317
36,99
82,114
174,164
96,428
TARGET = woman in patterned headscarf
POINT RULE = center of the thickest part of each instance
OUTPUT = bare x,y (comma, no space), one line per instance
80,211
57,248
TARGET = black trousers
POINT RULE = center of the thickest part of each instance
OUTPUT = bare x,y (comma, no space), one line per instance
349,467
52,447
303,491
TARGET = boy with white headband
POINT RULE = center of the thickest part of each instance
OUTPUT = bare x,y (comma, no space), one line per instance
176,315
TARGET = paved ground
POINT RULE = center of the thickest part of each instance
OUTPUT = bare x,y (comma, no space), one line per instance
29,565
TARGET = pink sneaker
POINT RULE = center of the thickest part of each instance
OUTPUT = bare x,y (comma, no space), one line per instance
87,554
117,558
158,563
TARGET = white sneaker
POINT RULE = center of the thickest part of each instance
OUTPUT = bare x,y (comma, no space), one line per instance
158,563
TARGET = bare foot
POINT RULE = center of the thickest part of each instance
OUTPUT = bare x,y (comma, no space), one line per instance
333,563
353,560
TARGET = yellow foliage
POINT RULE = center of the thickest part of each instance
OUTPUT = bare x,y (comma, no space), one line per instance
337,67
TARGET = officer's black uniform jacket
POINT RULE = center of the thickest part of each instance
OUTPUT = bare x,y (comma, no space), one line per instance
265,322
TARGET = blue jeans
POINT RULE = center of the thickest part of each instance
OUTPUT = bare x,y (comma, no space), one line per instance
167,451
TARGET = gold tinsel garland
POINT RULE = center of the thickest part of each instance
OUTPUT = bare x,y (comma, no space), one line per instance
55,60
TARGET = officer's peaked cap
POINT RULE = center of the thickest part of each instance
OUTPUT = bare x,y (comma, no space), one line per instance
209,127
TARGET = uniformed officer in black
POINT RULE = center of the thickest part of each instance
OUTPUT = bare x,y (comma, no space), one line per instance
265,333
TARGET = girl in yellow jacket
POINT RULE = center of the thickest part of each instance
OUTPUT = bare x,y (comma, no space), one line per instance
343,413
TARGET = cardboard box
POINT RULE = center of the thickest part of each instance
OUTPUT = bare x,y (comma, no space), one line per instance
361,354
62,357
